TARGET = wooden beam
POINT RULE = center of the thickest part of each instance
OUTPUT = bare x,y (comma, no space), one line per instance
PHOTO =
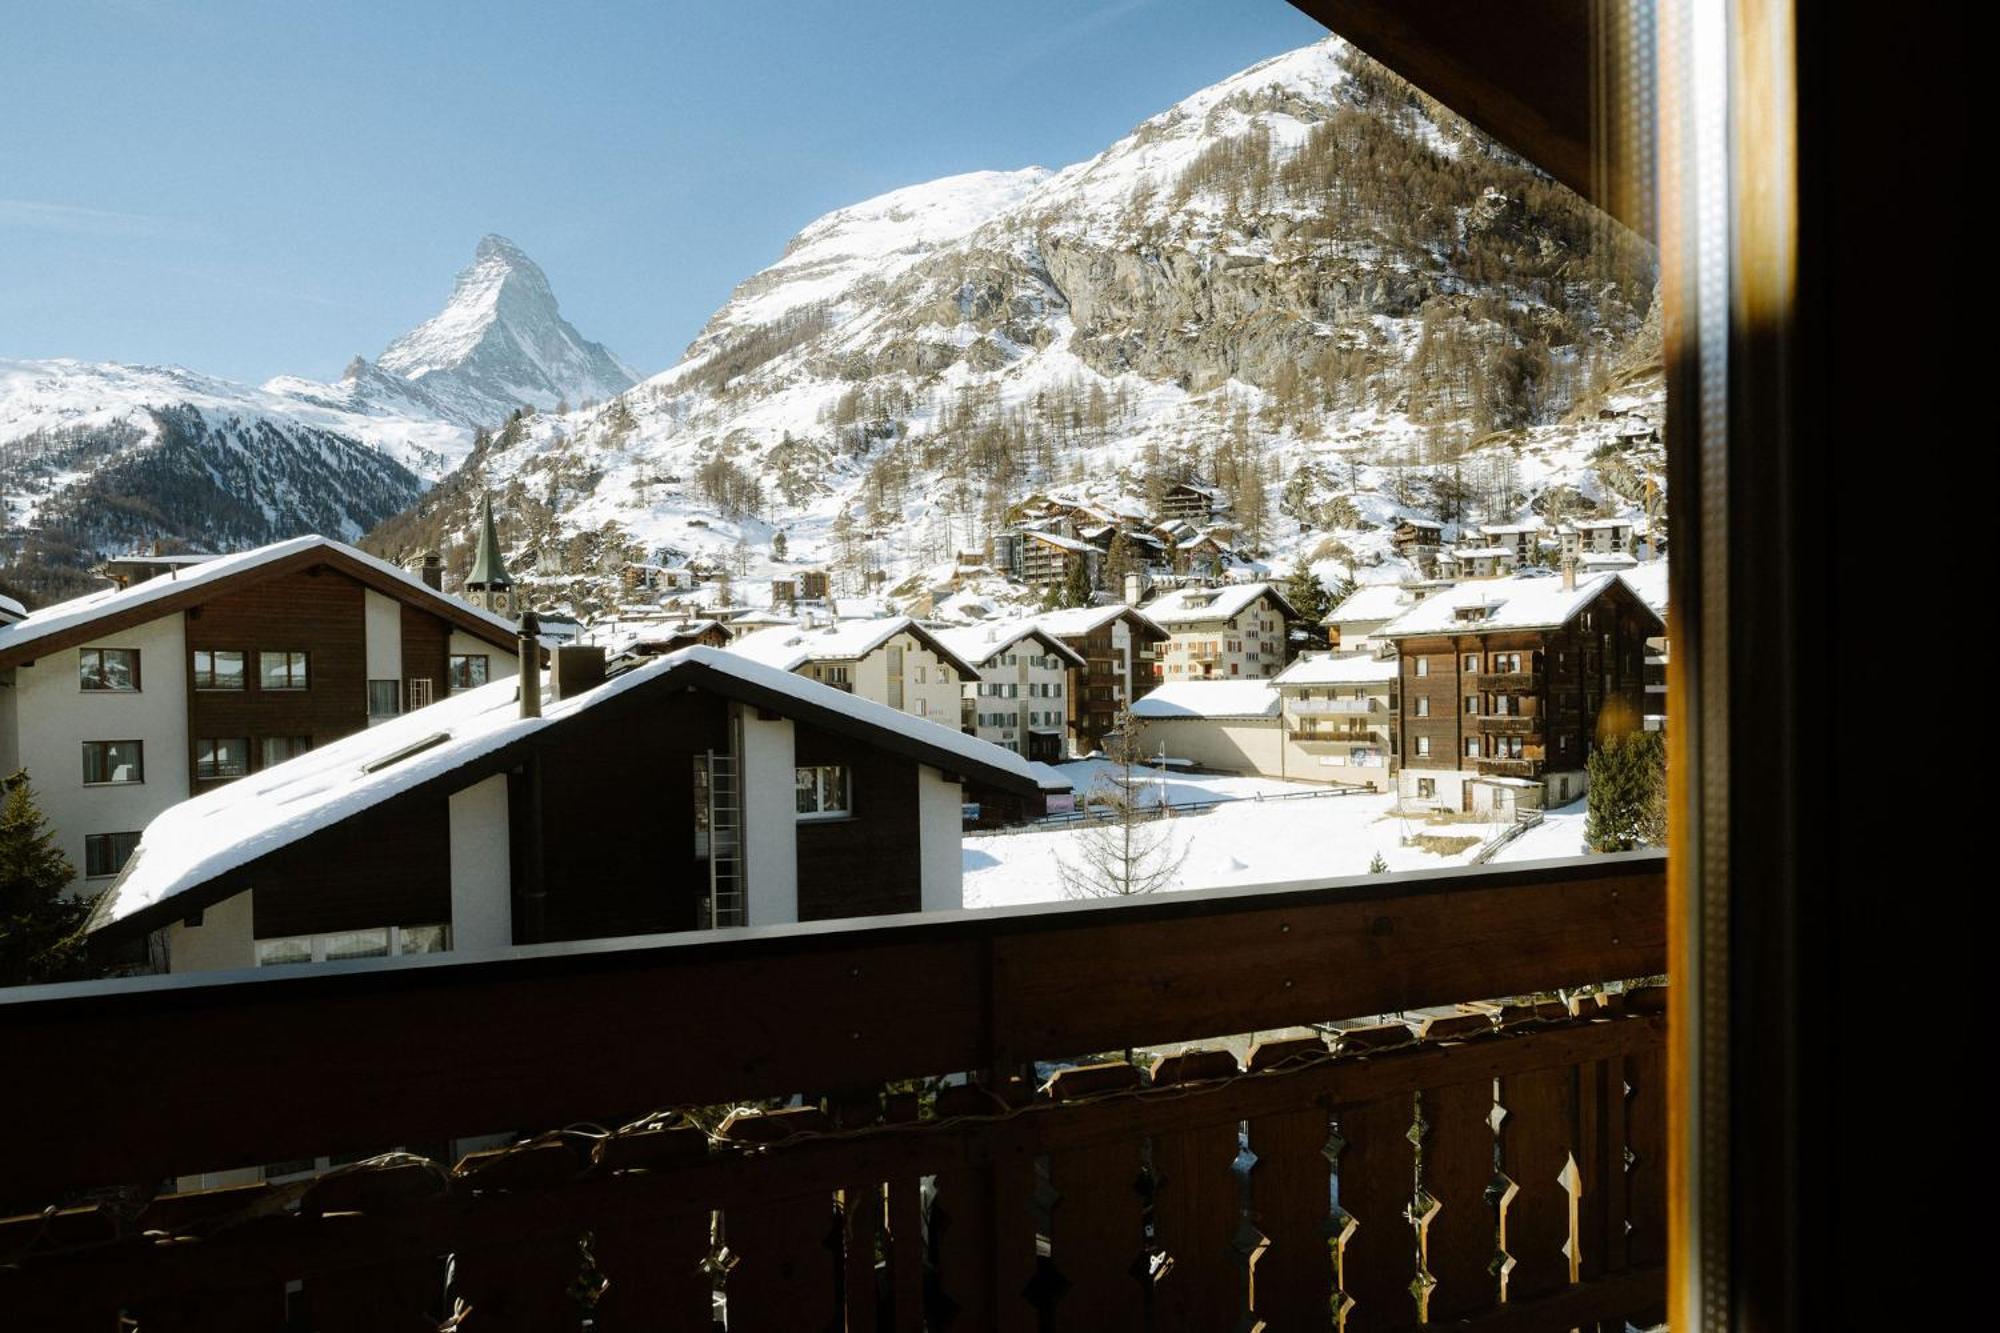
1554,80
265,1067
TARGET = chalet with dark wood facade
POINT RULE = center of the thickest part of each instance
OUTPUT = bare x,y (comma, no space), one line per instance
122,703
696,790
1506,685
1117,644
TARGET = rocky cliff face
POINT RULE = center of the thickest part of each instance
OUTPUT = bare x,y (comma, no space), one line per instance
1303,276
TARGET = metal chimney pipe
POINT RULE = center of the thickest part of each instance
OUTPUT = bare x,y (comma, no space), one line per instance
529,659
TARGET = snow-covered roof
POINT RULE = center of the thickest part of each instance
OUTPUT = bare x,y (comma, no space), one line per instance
1196,606
1519,601
1338,669
980,644
1480,552
1051,777
1058,540
38,628
1077,621
1650,582
191,844
1508,529
1209,698
1373,601
1602,522
789,647
1614,560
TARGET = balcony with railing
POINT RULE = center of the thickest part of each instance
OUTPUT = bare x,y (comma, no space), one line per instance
1509,682
895,1123
1510,768
1502,724
1334,707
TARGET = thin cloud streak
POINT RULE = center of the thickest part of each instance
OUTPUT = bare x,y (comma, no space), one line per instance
45,215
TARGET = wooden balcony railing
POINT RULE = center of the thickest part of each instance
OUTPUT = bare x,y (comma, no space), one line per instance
1496,725
1510,768
1194,1190
1509,682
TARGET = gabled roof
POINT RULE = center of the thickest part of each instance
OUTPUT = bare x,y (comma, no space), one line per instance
1338,669
1371,601
1517,602
1208,698
1198,606
1077,621
198,852
98,614
789,647
980,644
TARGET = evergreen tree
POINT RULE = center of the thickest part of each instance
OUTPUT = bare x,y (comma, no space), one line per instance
1307,594
40,925
778,545
1076,589
1628,781
1377,866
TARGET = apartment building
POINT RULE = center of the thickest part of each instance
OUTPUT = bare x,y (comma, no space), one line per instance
1117,644
1505,685
1339,716
1351,626
690,791
892,660
1026,677
122,703
1237,631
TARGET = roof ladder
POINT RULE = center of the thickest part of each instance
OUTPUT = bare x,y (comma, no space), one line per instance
725,842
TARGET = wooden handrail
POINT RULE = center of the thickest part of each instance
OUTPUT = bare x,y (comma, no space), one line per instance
149,1078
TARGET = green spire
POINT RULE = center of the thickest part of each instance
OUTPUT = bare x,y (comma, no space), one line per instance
489,571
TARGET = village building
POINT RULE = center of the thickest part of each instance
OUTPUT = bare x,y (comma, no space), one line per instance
1022,697
1506,685
1523,539
1236,631
1476,562
487,583
1224,726
1048,559
1117,644
697,790
122,703
1597,536
1191,503
892,660
1417,540
1351,626
1339,715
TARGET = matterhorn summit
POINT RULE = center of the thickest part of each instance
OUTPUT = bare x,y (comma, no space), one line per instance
501,342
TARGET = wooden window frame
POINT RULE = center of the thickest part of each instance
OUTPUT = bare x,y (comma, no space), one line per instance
82,680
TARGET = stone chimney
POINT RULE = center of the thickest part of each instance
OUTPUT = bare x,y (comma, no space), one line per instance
1569,574
1135,586
529,650
430,568
575,668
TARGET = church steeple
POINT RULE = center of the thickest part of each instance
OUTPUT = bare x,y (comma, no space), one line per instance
489,577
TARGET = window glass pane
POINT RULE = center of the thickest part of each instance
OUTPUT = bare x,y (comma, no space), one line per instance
114,761
218,669
281,671
106,853
424,939
226,757
833,791
108,668
468,671
806,786
358,944
277,749
277,953
385,698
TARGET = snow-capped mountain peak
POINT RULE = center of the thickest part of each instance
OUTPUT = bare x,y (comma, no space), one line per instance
501,341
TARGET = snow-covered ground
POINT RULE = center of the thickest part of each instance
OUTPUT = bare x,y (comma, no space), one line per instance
1559,834
1251,841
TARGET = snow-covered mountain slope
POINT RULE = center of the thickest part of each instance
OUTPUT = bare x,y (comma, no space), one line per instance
1307,285
97,457
501,342
102,458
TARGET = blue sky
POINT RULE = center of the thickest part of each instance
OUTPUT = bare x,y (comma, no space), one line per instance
255,187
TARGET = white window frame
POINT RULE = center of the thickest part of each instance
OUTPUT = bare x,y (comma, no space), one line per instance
316,944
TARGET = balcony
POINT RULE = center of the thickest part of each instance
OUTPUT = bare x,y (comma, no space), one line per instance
865,1207
1510,768
1509,725
1334,707
1350,736
1509,682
